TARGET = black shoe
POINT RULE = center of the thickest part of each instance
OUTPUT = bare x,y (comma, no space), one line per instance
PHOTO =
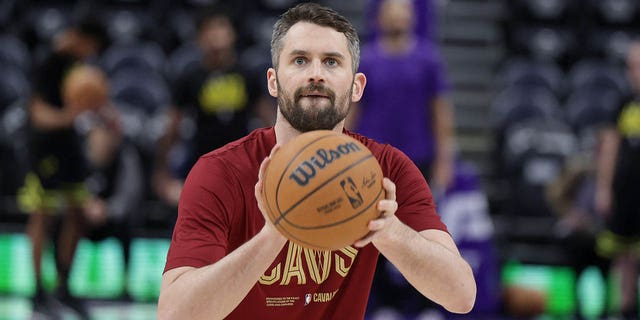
79,306
44,307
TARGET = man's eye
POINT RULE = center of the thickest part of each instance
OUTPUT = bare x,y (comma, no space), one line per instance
299,61
331,62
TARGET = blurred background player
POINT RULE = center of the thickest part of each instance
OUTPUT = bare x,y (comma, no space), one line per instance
424,19
218,94
618,187
115,181
54,186
408,106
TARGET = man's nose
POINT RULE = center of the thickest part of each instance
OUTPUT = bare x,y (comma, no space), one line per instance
316,72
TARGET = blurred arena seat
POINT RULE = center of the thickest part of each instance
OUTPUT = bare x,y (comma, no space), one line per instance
598,75
144,57
534,154
14,86
515,104
261,23
256,59
543,10
182,25
277,5
615,11
528,73
147,92
14,95
126,26
46,20
610,44
7,13
187,56
511,107
14,52
141,97
587,110
545,42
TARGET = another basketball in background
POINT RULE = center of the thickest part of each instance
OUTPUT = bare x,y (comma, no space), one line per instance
322,188
85,88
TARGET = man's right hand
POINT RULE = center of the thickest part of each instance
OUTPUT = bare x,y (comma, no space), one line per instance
259,189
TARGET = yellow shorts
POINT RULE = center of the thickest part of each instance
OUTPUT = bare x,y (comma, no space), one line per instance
609,244
32,197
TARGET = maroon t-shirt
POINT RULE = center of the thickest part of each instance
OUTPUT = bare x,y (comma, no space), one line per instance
218,213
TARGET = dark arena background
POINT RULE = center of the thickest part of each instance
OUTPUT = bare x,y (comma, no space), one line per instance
532,83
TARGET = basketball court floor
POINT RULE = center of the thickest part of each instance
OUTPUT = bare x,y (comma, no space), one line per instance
19,308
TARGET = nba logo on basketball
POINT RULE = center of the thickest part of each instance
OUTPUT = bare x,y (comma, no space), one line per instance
352,192
307,298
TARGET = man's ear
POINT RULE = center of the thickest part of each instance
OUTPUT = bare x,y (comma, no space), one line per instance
272,83
359,82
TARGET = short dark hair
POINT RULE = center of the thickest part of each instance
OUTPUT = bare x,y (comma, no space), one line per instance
90,25
212,12
316,14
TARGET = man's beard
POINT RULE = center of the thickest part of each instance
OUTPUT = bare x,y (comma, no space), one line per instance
313,117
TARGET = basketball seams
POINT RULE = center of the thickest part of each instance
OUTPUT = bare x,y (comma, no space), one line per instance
333,224
316,246
297,240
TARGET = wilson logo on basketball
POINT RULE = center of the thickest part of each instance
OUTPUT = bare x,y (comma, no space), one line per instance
305,171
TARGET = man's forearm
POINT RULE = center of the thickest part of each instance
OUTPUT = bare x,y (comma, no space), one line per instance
436,271
606,158
45,117
212,292
444,129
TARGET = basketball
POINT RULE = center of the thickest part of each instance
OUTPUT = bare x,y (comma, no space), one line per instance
322,188
85,87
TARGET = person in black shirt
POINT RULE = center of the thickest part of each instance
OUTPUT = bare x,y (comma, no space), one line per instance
54,184
219,94
618,187
115,181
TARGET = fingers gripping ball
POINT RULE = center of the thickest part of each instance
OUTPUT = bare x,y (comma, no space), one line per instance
322,189
85,87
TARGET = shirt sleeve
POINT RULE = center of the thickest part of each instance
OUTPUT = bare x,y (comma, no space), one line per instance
416,207
202,229
46,79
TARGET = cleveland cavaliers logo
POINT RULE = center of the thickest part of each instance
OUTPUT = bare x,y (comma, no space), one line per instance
352,192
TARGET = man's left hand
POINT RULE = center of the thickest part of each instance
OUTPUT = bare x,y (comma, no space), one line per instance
384,225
